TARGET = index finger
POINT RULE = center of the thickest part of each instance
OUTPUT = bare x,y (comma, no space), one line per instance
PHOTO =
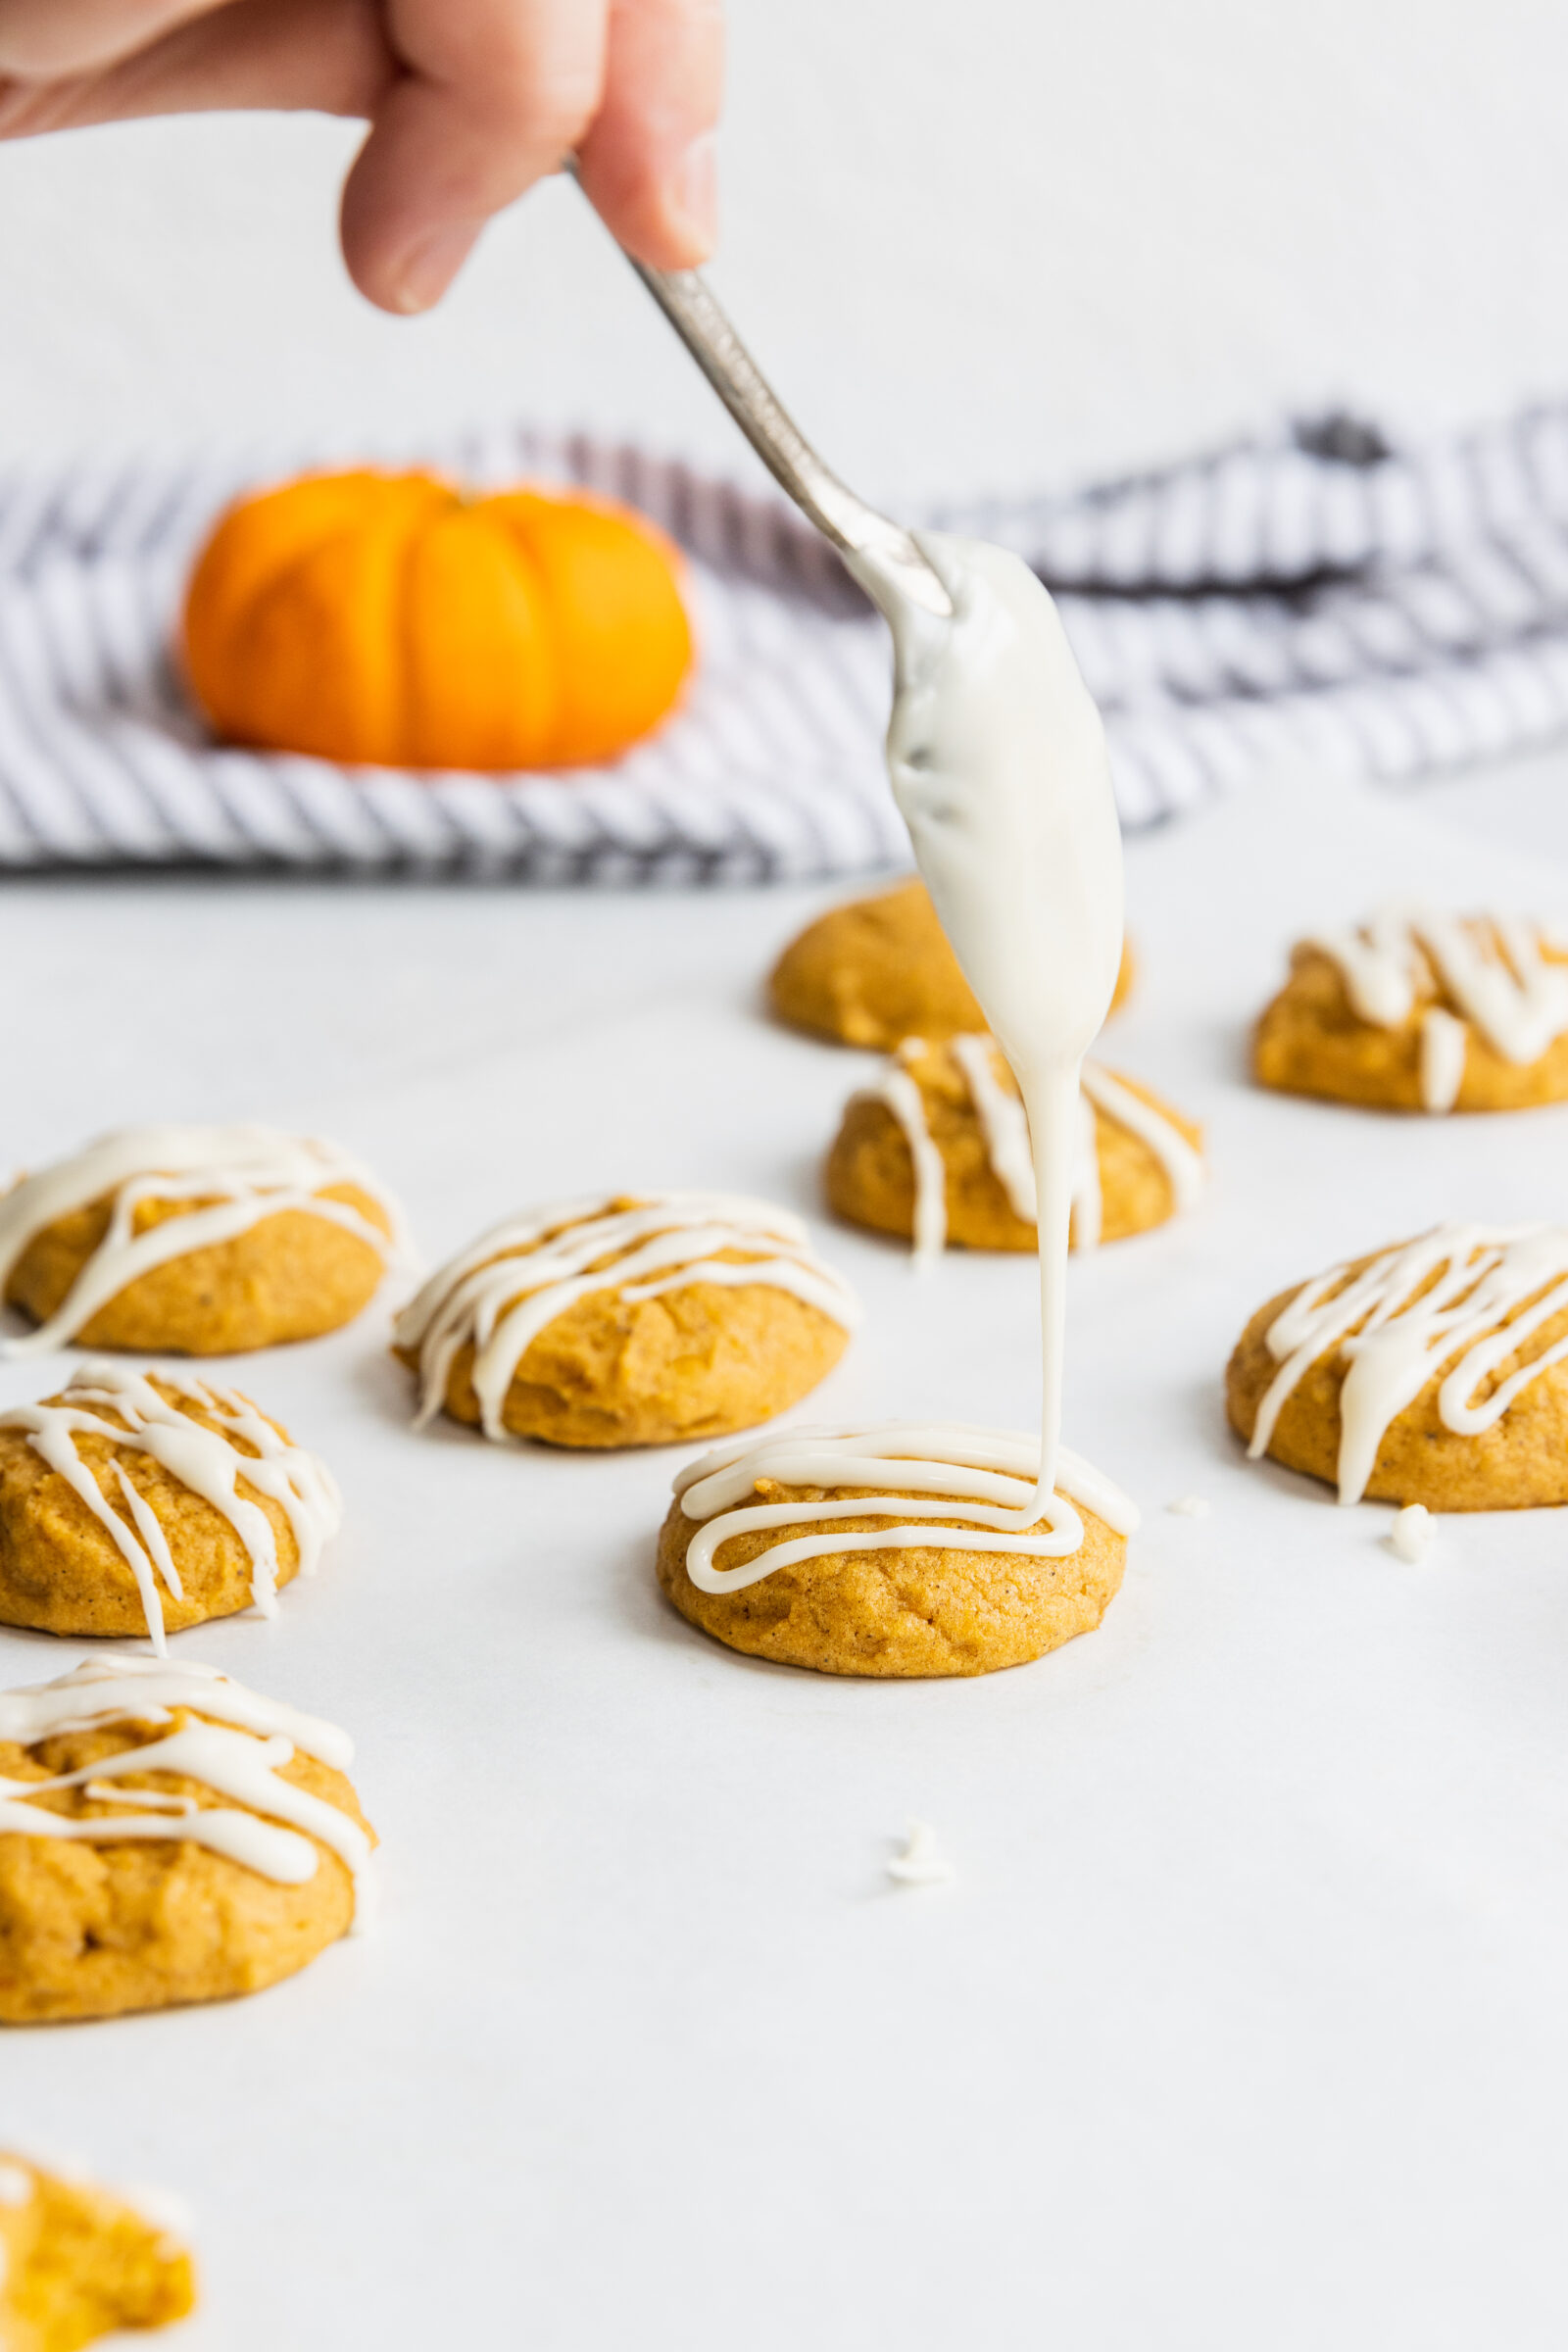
77,36
647,159
491,95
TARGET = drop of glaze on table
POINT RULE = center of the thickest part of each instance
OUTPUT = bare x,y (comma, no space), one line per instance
923,1862
1410,1537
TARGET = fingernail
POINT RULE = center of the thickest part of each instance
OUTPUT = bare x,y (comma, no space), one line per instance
428,269
694,190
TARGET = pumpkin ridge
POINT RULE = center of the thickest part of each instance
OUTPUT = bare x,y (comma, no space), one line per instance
293,564
530,514
233,715
240,714
405,714
527,557
341,527
392,531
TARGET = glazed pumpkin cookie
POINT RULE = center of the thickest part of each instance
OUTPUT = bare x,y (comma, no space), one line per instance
387,617
628,1321
134,1502
880,969
167,1836
1421,1011
1432,1372
78,2263
194,1241
938,1149
895,1551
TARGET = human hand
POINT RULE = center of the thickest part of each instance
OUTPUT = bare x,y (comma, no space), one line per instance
469,102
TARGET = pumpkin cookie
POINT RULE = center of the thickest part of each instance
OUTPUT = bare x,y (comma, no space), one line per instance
1433,1372
134,1502
894,1552
880,969
629,1321
167,1836
194,1241
78,2263
1421,1011
938,1149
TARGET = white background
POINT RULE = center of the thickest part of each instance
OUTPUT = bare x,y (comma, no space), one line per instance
1242,2029
982,246
1243,2025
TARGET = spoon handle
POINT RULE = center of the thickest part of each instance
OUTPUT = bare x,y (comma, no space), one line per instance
694,311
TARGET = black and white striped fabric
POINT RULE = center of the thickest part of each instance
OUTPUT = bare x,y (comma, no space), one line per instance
1314,594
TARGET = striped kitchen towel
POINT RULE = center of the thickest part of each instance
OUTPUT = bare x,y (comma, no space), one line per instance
1312,593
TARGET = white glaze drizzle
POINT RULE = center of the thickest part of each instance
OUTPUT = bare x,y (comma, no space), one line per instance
900,1094
1087,1203
1492,967
922,1863
209,1462
1475,1293
15,2183
1442,1054
237,1748
517,1278
1005,1131
998,764
243,1173
150,1800
1180,1161
1410,1536
982,1486
95,1692
1004,1123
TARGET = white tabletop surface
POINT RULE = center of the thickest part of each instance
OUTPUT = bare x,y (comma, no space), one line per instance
1242,2026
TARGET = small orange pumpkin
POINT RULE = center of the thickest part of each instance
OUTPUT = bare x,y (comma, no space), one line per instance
382,618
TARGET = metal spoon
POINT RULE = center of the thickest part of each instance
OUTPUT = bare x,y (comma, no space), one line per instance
689,304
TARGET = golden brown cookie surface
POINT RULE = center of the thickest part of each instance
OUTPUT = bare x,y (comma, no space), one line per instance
871,1169
648,1329
77,2263
879,970
67,1567
898,1549
1429,1054
182,1910
915,1611
1426,1451
291,1276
